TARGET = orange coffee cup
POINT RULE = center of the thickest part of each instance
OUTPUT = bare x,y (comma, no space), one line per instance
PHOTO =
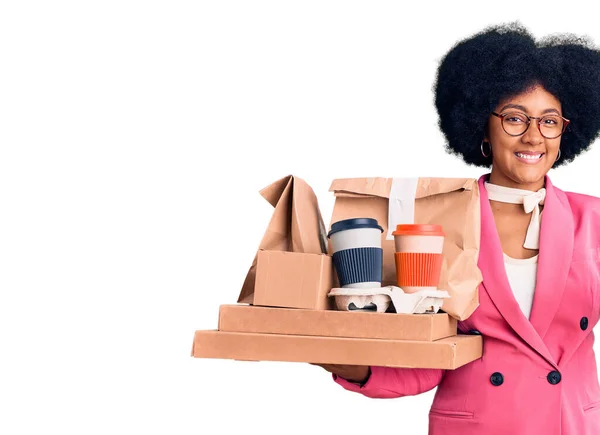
418,256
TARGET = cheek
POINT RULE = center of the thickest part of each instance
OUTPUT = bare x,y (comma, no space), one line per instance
499,139
553,147
503,145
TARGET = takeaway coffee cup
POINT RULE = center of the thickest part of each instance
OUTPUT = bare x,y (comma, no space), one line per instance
418,256
357,252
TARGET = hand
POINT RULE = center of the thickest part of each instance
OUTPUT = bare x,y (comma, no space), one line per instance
352,373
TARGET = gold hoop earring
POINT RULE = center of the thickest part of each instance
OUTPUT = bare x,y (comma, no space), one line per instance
484,154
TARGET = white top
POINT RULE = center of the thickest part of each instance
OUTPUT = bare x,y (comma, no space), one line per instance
522,274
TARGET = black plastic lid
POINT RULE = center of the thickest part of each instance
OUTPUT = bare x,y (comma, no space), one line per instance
351,224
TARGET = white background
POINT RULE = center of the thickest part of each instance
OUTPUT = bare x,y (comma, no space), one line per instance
135,137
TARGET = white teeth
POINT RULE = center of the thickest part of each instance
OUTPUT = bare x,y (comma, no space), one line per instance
529,157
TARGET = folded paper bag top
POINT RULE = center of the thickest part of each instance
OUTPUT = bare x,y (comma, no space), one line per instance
296,224
452,203
296,227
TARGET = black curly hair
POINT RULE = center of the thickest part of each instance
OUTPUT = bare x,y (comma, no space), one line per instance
503,61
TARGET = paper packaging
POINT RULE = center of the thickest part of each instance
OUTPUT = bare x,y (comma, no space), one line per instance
419,302
452,203
291,268
269,320
447,353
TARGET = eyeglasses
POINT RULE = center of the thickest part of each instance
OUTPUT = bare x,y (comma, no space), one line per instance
516,123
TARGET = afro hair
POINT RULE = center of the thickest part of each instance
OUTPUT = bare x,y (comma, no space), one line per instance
503,61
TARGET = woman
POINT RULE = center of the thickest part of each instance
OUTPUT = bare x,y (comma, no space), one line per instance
522,108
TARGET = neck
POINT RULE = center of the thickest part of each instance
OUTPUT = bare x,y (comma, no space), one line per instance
499,179
505,208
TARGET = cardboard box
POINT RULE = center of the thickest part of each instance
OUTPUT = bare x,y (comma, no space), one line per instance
416,327
447,353
293,279
291,267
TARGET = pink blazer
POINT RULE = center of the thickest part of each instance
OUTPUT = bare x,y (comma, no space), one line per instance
537,375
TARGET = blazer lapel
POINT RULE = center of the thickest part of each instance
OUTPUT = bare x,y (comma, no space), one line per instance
556,252
495,280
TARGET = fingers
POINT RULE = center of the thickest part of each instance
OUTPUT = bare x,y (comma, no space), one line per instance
328,367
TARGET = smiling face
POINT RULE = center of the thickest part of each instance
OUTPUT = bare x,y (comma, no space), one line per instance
523,161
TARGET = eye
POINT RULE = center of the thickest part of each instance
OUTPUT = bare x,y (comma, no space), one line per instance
515,118
549,120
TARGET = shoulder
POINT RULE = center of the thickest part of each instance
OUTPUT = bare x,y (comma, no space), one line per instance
583,207
581,202
577,201
580,199
585,212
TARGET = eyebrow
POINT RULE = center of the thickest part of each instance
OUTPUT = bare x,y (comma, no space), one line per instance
522,108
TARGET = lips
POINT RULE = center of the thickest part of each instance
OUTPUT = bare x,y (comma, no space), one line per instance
529,157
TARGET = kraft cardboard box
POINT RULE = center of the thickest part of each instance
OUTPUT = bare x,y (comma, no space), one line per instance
448,353
293,279
332,323
291,268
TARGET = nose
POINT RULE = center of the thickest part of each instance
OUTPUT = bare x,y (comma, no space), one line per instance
533,135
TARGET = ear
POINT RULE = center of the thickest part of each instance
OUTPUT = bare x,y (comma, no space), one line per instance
486,131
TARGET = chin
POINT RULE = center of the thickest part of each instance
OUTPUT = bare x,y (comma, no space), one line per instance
528,176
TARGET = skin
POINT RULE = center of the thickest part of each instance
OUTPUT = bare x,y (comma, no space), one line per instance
507,170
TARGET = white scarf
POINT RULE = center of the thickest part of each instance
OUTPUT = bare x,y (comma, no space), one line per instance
531,203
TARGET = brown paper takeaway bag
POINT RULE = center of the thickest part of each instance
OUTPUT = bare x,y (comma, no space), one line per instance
291,268
450,202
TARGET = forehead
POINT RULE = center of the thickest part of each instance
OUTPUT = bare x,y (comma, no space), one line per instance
533,100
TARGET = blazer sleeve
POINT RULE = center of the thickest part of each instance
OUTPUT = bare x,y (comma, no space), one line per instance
391,382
